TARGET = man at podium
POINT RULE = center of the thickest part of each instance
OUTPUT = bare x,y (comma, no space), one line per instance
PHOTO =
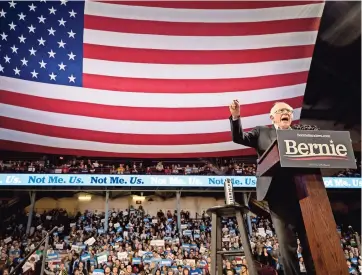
286,215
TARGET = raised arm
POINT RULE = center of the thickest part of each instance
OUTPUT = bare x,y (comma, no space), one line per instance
250,138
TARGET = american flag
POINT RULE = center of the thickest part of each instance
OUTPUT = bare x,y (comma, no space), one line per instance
148,79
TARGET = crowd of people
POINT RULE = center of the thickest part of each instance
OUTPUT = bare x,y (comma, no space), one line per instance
350,173
80,166
136,243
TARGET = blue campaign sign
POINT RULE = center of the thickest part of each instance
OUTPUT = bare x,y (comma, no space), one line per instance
26,180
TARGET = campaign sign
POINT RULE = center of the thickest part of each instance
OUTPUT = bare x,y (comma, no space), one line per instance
315,149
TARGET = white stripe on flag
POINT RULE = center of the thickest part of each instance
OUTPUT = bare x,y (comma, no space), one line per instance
203,16
170,71
193,43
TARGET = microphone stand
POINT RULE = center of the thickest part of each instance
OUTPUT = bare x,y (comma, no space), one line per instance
44,240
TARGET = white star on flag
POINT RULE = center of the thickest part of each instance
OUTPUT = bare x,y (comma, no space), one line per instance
52,10
41,19
63,2
3,36
71,78
7,59
72,13
1,68
34,74
62,66
42,64
51,54
51,31
24,62
17,71
32,51
2,13
52,76
22,16
71,34
61,44
62,22
12,4
41,41
71,56
32,7
31,29
22,39
14,49
12,26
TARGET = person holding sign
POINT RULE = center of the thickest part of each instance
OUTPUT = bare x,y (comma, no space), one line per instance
286,215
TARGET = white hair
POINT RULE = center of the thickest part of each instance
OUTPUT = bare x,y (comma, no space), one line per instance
276,103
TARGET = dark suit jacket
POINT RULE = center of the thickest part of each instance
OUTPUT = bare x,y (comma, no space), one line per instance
260,139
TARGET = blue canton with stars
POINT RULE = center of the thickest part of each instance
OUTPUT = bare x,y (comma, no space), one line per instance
42,41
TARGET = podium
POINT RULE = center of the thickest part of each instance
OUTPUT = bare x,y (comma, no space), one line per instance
300,155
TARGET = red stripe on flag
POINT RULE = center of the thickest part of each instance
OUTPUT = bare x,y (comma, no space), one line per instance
25,147
199,29
133,113
172,86
195,57
114,138
213,4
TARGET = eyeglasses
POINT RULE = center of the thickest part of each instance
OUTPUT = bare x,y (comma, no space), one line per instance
284,110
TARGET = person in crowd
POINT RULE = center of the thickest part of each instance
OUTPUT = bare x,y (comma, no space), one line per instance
194,270
29,267
185,271
351,269
265,257
278,266
303,270
228,268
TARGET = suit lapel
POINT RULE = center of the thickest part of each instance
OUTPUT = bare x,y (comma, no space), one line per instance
272,134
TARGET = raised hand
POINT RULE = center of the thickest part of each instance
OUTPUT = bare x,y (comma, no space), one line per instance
235,108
